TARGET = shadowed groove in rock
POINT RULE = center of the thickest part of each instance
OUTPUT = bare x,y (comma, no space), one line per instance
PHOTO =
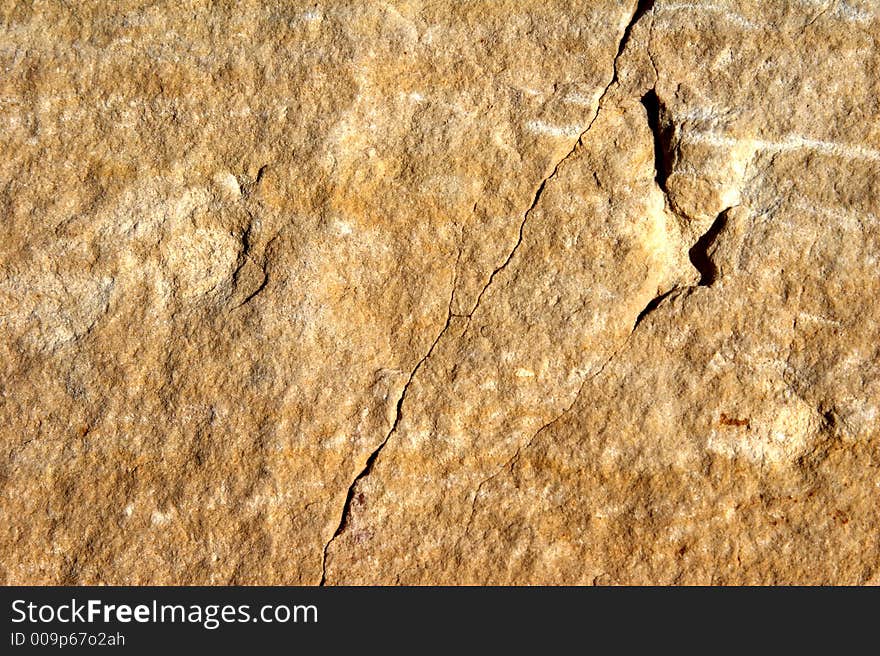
371,460
662,132
699,252
652,305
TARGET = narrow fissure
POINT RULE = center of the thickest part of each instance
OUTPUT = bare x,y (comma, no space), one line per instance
643,7
246,249
371,460
662,131
652,305
699,252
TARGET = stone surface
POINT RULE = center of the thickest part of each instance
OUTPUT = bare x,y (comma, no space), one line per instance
440,292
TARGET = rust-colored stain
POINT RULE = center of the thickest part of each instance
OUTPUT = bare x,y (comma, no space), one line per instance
724,420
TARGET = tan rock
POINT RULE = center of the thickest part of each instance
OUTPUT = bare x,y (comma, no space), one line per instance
415,292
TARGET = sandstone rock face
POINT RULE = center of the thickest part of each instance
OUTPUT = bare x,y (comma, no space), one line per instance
440,292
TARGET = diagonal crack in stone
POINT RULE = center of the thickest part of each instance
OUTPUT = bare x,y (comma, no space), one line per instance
641,9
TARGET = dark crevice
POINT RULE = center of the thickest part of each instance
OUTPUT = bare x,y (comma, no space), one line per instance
652,305
260,174
519,238
663,133
642,8
349,497
829,419
246,255
700,257
248,188
699,252
371,460
257,290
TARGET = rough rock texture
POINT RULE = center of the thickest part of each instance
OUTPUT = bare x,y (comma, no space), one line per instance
440,292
